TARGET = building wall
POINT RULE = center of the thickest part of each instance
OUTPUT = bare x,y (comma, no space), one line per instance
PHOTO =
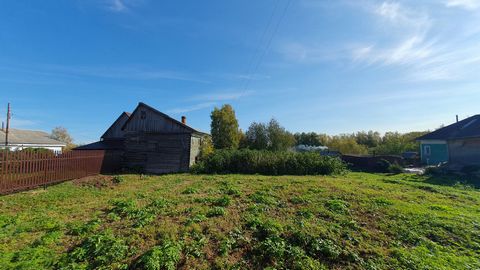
157,152
464,151
433,152
194,149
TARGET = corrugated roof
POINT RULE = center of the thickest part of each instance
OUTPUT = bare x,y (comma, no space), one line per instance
20,136
467,128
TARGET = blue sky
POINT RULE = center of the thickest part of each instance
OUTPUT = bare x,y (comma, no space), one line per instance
325,66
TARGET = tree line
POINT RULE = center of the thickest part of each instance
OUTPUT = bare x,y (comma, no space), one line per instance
226,134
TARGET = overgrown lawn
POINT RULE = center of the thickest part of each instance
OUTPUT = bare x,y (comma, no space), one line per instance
355,221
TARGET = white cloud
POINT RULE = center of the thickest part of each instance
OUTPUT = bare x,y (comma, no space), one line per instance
117,6
389,10
466,4
195,107
409,51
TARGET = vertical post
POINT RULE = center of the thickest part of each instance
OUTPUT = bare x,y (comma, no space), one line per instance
8,125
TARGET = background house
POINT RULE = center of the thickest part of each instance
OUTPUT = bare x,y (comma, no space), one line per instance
19,139
458,144
150,141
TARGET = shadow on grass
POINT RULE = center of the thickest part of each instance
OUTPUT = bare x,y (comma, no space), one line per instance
453,180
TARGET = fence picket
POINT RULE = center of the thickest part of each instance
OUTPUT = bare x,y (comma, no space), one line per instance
25,170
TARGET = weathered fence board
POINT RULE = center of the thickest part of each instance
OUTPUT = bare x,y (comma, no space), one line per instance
25,170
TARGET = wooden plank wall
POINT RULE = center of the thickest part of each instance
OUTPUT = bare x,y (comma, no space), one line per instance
157,153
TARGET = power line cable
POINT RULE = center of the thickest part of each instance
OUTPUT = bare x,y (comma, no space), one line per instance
249,77
258,49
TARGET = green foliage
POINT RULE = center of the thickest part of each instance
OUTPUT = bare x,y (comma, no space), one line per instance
311,138
270,163
346,144
117,179
190,190
224,128
257,136
163,257
206,147
216,211
337,206
269,136
99,251
140,216
353,221
395,168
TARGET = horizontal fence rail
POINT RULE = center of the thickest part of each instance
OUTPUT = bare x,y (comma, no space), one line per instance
26,170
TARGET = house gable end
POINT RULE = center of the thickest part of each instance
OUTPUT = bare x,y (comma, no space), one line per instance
115,130
147,119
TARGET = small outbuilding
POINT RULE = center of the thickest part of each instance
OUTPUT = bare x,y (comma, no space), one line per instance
458,144
150,141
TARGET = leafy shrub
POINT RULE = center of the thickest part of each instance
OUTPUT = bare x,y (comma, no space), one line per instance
100,251
270,163
222,201
216,212
84,228
117,179
141,216
337,206
263,198
190,190
395,168
162,257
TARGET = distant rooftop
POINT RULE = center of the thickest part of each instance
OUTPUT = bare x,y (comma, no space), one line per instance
467,128
20,136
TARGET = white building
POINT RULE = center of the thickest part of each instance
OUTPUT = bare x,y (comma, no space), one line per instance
20,139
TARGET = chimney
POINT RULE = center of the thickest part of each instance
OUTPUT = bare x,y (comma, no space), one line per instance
457,118
184,120
3,126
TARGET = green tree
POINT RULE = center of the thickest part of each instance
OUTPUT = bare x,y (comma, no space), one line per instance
61,134
346,144
369,139
257,136
206,147
280,139
224,128
310,138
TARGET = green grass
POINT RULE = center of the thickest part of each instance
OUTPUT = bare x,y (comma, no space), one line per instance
355,221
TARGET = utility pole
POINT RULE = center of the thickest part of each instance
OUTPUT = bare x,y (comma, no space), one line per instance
8,125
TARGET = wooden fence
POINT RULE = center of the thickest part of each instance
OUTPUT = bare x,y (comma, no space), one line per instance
26,170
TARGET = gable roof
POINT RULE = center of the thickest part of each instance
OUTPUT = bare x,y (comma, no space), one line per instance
121,120
141,104
467,128
20,136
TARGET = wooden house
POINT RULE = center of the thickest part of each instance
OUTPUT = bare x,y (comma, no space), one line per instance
150,141
457,144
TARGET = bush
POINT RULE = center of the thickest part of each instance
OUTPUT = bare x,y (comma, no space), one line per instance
395,168
165,256
270,163
100,251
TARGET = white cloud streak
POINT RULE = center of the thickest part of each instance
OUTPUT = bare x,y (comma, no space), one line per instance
465,4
